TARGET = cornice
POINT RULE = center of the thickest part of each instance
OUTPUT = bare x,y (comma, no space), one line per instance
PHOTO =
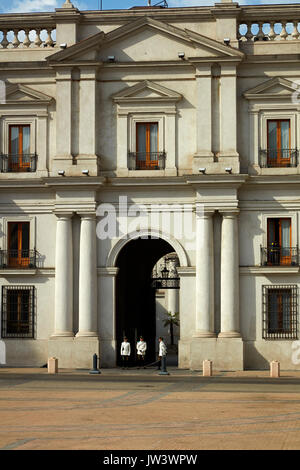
179,14
128,182
271,58
269,12
266,270
220,181
273,180
69,182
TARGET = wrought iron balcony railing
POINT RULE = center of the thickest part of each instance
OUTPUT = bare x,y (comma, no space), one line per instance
146,160
279,256
18,259
12,163
278,158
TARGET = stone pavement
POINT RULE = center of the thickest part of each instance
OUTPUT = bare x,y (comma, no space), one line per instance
138,409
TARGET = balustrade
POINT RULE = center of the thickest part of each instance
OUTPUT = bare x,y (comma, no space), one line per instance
19,38
250,31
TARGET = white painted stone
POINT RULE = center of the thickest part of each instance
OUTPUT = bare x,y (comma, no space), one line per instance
52,365
207,368
214,114
274,369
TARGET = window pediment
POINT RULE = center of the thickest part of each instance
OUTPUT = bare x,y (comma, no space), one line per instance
275,88
146,91
18,94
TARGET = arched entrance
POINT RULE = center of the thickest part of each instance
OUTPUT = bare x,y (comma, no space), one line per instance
135,296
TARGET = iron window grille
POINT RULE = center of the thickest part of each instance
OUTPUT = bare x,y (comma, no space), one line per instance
280,312
18,311
146,160
15,163
274,255
278,158
18,259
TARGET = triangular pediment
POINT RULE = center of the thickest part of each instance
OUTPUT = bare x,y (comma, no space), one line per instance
145,39
274,88
146,91
21,93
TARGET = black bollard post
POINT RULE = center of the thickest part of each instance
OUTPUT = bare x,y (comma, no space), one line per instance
163,366
95,369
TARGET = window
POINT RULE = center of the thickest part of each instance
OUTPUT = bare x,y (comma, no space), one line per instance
279,250
147,145
19,148
18,244
279,152
280,305
18,311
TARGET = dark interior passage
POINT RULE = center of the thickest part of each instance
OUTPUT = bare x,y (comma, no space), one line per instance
135,298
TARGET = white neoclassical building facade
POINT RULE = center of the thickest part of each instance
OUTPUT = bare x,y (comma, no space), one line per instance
142,141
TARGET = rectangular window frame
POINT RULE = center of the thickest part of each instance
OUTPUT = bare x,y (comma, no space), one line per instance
271,115
5,333
19,218
282,159
276,254
8,121
21,256
149,162
279,215
19,161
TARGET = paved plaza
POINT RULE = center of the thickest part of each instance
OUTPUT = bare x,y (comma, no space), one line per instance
139,409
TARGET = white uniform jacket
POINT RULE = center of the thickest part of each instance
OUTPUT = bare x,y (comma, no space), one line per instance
125,349
162,349
141,348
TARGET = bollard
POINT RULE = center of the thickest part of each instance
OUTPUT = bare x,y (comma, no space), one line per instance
207,368
163,366
274,369
95,369
52,365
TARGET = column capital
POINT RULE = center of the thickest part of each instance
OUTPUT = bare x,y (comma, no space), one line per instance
206,214
203,70
87,215
63,214
230,213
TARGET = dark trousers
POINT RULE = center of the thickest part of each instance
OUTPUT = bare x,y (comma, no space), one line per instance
140,360
125,361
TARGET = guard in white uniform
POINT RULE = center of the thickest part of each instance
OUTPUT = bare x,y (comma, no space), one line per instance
141,352
162,351
125,352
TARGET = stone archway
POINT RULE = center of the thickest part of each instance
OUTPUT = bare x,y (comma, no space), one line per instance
135,312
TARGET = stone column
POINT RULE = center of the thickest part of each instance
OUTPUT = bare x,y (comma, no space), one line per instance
204,123
229,276
204,276
42,124
64,276
88,129
170,142
107,319
88,277
187,314
254,141
173,298
64,114
228,111
122,144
